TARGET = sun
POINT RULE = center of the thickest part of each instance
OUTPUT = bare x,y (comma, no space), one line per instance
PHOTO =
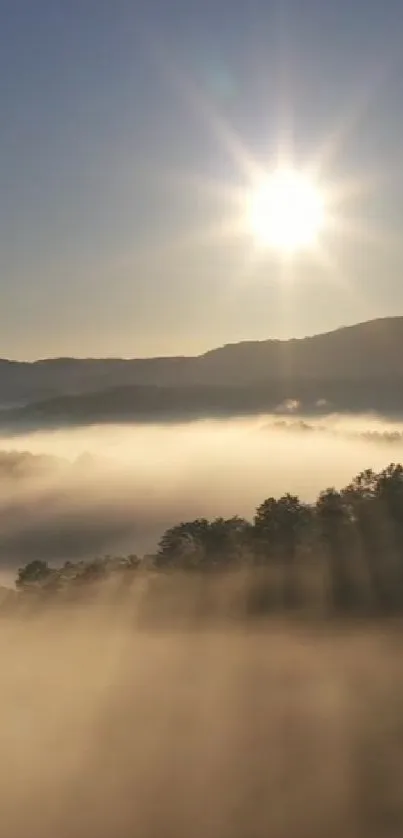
286,211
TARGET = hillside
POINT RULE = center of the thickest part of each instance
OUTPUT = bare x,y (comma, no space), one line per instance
181,404
354,368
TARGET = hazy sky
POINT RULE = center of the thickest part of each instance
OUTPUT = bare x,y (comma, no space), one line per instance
120,124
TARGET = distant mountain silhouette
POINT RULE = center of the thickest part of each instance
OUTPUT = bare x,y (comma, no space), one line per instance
354,368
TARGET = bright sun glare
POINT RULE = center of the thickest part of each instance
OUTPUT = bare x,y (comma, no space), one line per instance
286,212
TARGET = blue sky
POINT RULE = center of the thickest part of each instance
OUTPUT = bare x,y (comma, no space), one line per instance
114,177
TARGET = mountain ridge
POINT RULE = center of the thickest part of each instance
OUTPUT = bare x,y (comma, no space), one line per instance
365,355
60,359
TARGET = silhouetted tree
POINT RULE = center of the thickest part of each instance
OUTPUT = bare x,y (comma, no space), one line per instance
226,542
335,529
182,546
33,575
280,526
368,516
203,545
389,498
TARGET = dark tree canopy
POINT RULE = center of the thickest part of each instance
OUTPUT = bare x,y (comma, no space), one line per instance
355,534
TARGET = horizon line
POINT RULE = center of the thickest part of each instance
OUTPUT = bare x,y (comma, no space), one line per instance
131,358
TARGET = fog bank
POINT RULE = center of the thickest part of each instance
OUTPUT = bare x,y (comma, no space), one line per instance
90,491
220,733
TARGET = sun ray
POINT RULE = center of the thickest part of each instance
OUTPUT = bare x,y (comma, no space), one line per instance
376,78
317,213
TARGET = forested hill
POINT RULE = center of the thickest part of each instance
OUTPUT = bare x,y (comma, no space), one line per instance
365,351
148,404
356,369
344,553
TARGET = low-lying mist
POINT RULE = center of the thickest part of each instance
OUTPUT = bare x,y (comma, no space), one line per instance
168,705
107,489
225,732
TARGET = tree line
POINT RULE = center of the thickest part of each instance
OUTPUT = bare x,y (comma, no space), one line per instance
349,540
